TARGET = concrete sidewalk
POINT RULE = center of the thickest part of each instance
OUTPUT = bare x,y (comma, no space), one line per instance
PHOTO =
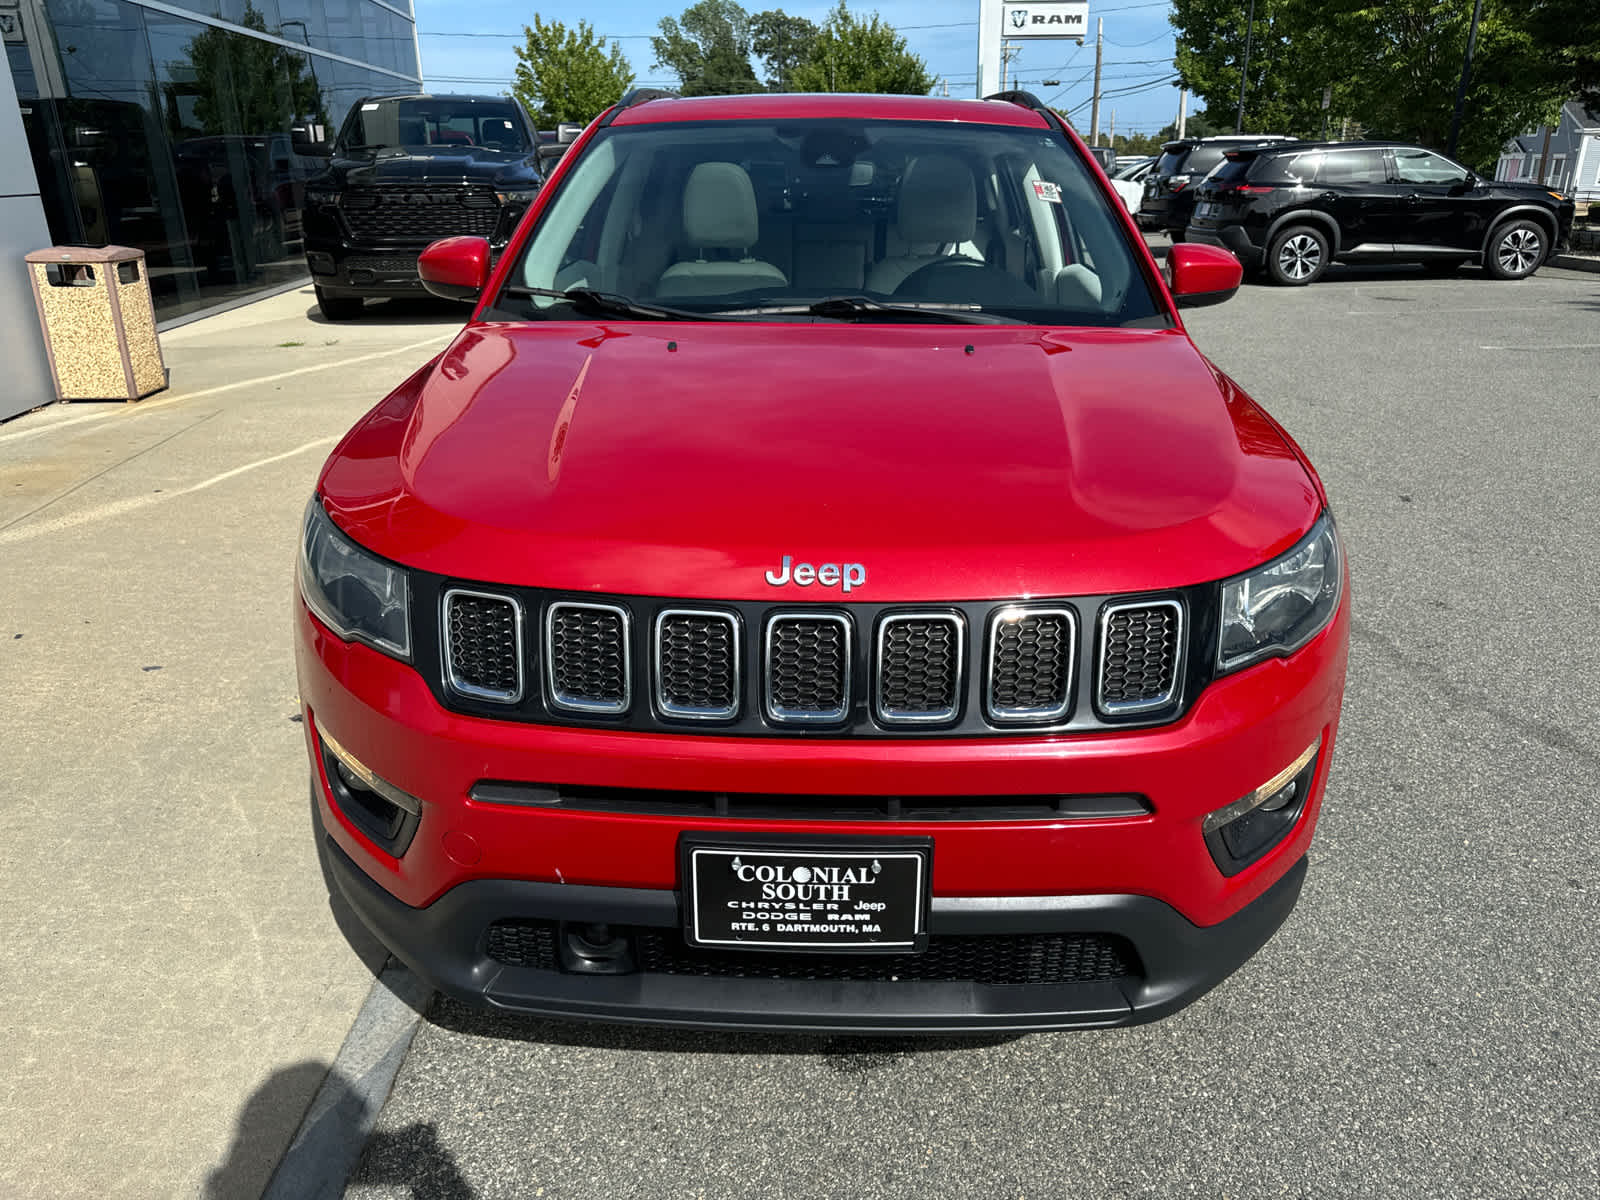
173,983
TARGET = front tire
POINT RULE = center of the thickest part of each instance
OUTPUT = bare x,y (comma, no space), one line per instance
1516,250
1297,256
339,308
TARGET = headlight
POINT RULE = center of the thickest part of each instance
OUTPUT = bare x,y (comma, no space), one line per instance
519,198
356,595
1280,607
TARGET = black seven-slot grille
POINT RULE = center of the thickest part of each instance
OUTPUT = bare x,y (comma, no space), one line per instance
853,669
1004,959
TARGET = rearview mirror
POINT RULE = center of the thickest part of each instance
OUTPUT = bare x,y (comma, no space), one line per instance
1199,275
456,268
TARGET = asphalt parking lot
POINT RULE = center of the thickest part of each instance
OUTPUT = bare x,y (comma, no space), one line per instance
1424,1025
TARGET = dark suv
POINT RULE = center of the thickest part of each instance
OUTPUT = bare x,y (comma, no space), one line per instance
1169,187
405,171
1291,210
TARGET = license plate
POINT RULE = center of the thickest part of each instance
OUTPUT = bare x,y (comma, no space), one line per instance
793,894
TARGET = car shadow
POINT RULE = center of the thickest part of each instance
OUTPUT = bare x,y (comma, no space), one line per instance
322,1116
399,310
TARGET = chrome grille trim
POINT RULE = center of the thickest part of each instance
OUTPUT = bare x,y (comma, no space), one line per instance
561,700
735,639
1036,715
784,716
455,682
1120,708
958,625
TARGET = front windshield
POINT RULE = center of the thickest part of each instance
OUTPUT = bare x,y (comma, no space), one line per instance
748,217
421,124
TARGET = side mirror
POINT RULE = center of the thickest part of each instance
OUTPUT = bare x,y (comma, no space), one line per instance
567,132
1198,275
456,268
304,140
548,154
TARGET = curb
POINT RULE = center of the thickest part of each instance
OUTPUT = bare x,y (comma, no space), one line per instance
1576,262
334,1132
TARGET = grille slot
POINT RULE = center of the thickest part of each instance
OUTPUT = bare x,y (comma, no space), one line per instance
1141,652
697,664
483,645
808,668
587,657
918,668
1031,652
418,214
994,960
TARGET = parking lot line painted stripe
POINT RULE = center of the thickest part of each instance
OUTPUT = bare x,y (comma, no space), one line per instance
117,508
147,405
1539,349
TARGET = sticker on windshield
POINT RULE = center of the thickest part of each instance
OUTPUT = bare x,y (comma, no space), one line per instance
369,108
1049,192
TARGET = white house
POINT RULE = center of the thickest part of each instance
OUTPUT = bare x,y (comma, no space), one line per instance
1574,165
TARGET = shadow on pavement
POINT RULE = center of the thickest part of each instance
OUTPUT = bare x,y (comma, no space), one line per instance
401,310
318,1163
846,1053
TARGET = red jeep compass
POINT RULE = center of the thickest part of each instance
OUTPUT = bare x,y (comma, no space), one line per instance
822,587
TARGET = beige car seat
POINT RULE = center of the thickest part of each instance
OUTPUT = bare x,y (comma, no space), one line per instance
719,213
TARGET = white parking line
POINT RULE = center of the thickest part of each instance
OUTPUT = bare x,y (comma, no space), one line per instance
1541,349
147,405
1434,311
117,508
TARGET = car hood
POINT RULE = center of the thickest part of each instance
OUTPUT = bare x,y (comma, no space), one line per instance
436,164
952,462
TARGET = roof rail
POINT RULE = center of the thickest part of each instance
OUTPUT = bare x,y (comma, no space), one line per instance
1029,101
637,96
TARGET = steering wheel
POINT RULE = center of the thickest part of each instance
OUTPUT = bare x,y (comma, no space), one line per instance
965,281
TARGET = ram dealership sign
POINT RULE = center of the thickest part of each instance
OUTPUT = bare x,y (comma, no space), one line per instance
1047,19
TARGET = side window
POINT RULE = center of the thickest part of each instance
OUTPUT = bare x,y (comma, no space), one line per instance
1426,168
1352,167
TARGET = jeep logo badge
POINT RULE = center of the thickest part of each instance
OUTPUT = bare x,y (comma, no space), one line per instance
840,575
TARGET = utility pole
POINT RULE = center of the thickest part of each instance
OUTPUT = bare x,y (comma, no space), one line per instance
1099,50
1244,71
1008,51
1113,135
1466,75
1183,111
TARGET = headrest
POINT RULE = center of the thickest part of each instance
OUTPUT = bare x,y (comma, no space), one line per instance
719,208
938,201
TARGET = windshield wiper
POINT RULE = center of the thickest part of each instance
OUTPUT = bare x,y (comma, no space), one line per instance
615,304
850,308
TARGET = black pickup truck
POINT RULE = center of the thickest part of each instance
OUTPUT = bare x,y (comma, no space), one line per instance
403,172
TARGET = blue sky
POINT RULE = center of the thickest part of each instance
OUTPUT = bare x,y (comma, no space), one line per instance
1138,50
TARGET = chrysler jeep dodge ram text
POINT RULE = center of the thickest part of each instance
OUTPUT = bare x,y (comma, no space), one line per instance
822,587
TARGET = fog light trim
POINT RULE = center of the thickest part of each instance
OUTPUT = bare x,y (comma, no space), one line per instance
1223,816
369,778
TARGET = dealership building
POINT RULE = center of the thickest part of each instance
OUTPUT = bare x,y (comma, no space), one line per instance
171,126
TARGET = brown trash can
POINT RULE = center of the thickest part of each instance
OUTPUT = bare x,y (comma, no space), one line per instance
98,320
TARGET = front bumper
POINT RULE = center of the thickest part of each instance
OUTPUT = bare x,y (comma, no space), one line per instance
444,943
1148,878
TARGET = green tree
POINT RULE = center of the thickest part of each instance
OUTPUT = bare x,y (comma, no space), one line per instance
708,48
852,54
1567,34
568,74
782,43
1392,66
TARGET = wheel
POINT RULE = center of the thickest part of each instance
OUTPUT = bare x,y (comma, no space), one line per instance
339,308
1297,256
1443,266
1515,250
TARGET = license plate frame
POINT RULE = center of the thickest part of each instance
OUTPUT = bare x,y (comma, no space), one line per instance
829,912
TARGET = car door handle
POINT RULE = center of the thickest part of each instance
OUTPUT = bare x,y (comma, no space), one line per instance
1413,198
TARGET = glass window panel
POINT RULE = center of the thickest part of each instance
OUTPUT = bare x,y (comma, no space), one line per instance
104,163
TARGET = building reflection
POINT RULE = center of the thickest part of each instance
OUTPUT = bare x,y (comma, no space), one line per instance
178,135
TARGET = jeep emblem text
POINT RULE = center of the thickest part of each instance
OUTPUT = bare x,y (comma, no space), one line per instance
846,575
